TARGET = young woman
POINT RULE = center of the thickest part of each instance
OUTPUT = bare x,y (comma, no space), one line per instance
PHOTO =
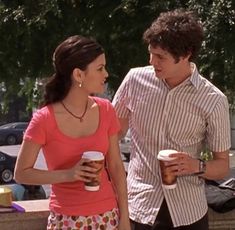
70,123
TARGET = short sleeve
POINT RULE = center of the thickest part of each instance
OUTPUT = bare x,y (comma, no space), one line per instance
121,100
36,130
218,128
114,125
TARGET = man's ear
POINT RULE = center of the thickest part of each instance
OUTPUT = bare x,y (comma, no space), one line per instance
187,57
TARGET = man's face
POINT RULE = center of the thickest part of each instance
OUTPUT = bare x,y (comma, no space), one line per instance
165,65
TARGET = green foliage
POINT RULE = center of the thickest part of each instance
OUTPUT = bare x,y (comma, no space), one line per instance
206,155
30,31
217,56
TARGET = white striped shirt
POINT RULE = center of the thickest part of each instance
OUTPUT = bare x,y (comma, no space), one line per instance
162,118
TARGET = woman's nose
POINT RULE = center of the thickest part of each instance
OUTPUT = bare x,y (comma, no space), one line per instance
106,74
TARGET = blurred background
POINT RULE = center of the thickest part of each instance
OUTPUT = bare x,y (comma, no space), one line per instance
30,31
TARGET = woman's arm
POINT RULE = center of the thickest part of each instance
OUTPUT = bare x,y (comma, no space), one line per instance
118,178
124,122
25,172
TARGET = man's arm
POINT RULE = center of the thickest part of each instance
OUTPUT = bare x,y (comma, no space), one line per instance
217,168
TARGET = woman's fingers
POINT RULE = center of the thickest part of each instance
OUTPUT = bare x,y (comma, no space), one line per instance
84,172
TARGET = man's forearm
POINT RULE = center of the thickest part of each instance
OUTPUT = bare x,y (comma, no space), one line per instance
217,168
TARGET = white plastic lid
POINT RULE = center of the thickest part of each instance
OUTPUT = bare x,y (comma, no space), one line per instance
170,186
164,154
92,188
93,155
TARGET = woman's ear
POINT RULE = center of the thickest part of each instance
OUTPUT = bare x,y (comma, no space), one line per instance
77,75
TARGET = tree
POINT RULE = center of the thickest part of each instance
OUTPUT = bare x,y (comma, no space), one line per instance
30,31
217,60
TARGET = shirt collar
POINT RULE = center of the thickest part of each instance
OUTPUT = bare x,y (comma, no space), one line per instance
195,77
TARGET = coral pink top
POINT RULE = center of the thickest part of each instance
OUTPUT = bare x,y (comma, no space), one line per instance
63,152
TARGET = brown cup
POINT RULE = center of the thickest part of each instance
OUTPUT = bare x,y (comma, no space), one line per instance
168,180
96,160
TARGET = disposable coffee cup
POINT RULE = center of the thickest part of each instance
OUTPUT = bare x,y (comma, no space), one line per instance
5,196
168,180
96,160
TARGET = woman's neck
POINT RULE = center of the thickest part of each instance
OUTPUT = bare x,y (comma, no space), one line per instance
76,100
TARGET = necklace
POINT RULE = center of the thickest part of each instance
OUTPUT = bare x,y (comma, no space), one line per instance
78,117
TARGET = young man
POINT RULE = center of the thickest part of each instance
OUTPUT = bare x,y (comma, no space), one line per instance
169,105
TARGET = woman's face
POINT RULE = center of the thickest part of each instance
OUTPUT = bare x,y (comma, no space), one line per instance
95,75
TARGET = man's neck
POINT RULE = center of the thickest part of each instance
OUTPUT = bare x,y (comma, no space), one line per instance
180,77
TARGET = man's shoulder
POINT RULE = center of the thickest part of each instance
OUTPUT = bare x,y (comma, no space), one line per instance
208,87
138,74
142,70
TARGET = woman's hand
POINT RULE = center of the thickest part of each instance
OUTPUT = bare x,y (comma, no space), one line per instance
82,172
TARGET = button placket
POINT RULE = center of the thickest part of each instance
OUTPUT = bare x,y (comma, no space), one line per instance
164,118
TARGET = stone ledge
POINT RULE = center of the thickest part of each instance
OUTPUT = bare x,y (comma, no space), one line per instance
37,212
34,217
221,221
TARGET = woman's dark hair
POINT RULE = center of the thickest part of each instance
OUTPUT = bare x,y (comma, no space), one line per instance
75,52
179,32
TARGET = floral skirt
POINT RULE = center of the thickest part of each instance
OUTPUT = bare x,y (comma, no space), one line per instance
106,221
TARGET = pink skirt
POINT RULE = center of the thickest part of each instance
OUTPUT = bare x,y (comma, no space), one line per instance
106,221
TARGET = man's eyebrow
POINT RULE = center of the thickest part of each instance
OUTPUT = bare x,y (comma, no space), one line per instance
155,53
150,51
158,54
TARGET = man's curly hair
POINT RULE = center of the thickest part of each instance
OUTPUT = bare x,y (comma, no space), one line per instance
179,32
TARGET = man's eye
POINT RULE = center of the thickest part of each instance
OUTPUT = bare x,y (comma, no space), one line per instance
159,57
101,69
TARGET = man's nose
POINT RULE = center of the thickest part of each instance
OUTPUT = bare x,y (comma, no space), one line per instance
152,60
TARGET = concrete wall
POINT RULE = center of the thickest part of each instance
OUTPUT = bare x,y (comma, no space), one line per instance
35,218
232,116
